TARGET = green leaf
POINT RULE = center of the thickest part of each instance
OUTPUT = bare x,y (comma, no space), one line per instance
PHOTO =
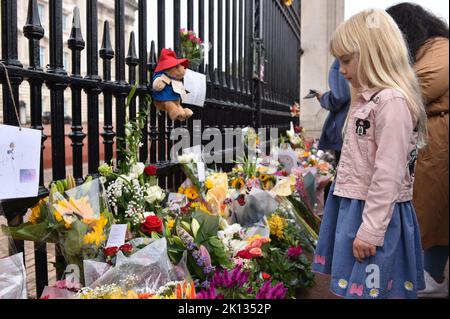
131,95
209,226
41,232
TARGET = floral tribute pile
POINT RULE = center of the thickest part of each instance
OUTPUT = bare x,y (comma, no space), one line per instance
248,233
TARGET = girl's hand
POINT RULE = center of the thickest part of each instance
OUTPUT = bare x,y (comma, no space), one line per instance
363,250
319,96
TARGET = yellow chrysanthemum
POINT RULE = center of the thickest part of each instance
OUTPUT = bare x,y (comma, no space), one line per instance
191,193
277,225
181,190
238,183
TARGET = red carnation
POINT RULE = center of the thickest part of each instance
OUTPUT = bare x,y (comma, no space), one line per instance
295,252
266,276
127,248
152,224
111,251
151,170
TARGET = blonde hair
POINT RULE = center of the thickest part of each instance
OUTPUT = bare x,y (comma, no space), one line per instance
384,60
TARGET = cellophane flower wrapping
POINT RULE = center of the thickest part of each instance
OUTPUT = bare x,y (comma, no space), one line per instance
145,272
13,279
86,218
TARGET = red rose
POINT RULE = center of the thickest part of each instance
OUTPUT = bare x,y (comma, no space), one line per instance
127,248
151,170
111,251
244,254
152,224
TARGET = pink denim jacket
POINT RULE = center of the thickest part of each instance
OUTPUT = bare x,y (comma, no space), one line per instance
378,159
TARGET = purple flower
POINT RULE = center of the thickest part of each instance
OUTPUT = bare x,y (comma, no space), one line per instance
206,256
209,294
270,293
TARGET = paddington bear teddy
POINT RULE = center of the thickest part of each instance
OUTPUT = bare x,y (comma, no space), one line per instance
168,88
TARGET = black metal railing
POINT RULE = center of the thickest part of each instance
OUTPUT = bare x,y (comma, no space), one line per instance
252,73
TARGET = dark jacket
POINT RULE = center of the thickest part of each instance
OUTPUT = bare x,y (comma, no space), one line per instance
337,101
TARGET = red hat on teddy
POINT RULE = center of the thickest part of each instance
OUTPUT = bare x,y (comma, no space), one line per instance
168,59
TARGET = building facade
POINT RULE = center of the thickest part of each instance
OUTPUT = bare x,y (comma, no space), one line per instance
105,13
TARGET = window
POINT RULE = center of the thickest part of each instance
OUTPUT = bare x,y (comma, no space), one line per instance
41,9
43,54
65,23
66,61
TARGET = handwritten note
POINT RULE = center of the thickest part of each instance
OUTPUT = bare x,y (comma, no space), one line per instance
20,157
201,171
117,236
177,199
195,84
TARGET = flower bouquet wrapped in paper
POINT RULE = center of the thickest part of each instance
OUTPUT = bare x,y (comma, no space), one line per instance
192,48
77,219
13,280
147,273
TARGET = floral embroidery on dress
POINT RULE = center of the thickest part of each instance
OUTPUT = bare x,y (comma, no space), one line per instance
343,283
320,260
357,290
374,293
390,285
409,286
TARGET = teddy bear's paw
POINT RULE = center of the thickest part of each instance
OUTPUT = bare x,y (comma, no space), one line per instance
188,113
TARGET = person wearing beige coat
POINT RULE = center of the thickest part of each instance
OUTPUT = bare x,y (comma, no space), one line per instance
428,39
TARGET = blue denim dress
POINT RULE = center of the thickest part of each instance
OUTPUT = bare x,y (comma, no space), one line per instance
396,272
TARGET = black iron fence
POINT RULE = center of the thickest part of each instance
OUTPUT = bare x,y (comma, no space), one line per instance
252,75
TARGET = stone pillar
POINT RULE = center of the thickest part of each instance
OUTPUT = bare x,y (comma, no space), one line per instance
320,18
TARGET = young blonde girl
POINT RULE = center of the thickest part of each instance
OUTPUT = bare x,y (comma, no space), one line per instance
369,240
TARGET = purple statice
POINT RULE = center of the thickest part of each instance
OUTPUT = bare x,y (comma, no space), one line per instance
208,270
191,246
271,293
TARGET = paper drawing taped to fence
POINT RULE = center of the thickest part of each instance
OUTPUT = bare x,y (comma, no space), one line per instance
20,154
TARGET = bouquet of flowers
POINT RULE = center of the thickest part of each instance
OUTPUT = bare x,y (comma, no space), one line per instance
192,48
77,218
132,187
13,279
146,273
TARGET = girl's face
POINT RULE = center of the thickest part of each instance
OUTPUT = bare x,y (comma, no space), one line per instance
349,69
